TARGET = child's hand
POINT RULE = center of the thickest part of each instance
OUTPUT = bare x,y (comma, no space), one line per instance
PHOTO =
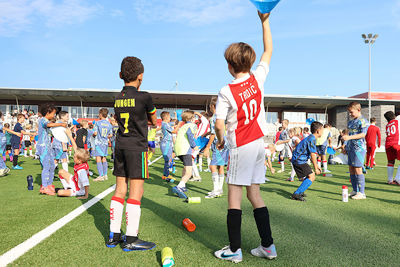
83,197
272,170
318,171
221,144
263,17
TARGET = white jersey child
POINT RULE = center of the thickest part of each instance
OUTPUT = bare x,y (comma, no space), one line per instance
241,104
78,180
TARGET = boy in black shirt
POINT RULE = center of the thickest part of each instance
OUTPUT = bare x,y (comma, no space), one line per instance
81,135
134,110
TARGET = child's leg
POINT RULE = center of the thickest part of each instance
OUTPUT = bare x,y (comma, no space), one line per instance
234,217
133,210
117,205
64,163
319,161
292,173
353,178
167,161
201,162
186,174
105,165
261,215
99,164
51,168
195,170
372,161
2,164
390,171
221,177
324,163
305,184
397,178
15,157
215,177
368,159
360,179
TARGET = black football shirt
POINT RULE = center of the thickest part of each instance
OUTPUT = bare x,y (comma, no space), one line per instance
132,108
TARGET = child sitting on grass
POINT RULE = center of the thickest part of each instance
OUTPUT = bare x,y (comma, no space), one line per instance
76,184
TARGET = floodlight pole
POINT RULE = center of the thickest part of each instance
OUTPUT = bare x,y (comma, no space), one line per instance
370,40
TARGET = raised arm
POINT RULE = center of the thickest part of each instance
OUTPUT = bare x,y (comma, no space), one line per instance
267,38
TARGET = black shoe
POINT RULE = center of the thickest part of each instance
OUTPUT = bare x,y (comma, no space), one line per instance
303,194
114,240
298,197
138,244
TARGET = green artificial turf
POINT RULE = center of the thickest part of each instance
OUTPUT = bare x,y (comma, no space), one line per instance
320,232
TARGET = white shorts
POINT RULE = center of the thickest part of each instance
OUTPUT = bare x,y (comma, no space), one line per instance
71,186
286,152
246,164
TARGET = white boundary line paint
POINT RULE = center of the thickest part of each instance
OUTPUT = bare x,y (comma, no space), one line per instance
28,244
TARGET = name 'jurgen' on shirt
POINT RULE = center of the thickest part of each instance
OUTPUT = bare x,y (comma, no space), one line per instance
249,92
124,103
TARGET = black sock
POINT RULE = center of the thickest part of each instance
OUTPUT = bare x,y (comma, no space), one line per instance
131,239
15,160
261,216
117,236
234,221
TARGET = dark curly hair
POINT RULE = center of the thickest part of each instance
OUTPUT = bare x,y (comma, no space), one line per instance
47,108
131,67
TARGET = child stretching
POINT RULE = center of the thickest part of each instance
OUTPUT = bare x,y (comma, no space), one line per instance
184,146
305,150
322,143
44,149
16,140
102,131
241,104
356,149
76,184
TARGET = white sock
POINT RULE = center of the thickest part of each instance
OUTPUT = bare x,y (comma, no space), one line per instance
64,183
201,164
397,174
132,217
195,170
182,184
208,162
215,179
319,163
30,152
116,210
64,165
283,166
221,182
390,172
325,164
293,173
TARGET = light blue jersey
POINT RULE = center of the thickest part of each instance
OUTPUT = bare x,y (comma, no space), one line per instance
357,126
103,129
44,139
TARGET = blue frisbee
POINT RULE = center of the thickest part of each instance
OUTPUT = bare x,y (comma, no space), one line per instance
331,151
265,6
309,121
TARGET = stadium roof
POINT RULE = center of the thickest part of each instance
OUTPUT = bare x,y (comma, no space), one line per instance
194,100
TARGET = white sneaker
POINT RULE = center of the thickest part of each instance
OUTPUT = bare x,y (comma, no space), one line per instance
226,254
359,196
327,171
268,180
99,179
353,193
207,170
269,252
213,195
105,177
280,171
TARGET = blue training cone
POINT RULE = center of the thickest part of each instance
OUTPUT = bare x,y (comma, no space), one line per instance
265,6
75,122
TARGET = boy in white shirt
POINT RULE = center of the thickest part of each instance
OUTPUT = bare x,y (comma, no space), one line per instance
241,104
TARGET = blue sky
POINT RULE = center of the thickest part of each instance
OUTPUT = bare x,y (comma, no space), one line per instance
318,48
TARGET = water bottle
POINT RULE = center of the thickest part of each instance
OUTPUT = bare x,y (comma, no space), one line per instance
345,194
167,257
29,179
194,200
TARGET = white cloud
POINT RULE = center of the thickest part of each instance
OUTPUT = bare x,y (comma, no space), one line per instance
193,12
18,15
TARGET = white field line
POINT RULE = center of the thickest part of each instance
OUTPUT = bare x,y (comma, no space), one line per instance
28,244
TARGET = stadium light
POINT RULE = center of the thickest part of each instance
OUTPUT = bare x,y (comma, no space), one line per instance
370,40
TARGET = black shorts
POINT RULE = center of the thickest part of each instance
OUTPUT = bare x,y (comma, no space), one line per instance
28,143
303,170
130,163
8,147
186,159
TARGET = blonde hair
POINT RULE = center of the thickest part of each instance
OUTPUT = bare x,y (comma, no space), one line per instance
82,155
285,122
187,115
354,105
297,131
84,123
28,127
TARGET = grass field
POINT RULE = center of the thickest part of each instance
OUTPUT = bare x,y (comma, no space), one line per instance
320,232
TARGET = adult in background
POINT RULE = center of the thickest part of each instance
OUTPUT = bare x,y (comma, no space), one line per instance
373,135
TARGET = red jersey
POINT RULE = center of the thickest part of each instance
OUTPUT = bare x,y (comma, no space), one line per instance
277,136
373,135
392,133
83,166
